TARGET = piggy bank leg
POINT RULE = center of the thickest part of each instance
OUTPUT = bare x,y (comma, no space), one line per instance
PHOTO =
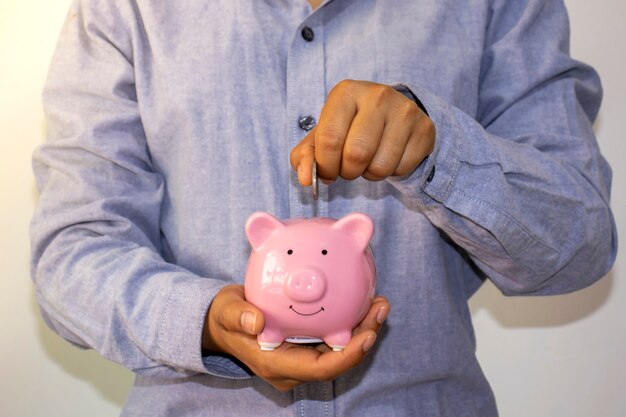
269,340
339,340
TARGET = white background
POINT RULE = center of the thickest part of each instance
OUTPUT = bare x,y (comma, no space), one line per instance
559,356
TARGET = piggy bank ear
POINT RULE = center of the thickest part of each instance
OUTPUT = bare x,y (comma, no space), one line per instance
358,225
259,226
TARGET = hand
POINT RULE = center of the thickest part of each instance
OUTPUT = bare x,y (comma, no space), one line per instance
365,130
232,325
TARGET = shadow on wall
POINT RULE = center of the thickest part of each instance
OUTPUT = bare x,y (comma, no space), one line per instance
112,381
541,311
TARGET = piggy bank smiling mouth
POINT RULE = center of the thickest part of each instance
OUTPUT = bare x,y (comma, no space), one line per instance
305,314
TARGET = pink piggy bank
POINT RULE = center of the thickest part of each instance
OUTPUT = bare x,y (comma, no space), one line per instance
313,279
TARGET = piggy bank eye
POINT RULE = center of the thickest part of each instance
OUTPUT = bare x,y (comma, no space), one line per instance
289,252
324,251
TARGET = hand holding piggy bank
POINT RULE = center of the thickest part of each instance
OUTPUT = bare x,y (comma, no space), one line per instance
313,279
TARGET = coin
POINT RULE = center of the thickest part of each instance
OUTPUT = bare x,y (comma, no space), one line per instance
314,182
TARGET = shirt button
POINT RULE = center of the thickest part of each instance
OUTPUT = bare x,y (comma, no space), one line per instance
307,123
431,175
307,34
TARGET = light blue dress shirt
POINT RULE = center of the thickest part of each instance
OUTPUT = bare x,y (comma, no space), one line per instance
171,122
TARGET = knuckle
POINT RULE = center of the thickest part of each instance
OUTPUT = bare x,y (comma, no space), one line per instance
296,154
405,168
402,171
343,87
379,94
329,139
408,110
355,154
221,317
379,170
372,178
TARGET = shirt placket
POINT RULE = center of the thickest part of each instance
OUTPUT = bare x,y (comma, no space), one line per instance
306,94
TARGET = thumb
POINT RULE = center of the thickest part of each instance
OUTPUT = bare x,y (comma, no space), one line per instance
302,157
237,314
249,322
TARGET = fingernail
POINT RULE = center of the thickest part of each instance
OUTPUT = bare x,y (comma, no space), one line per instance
369,342
248,322
381,316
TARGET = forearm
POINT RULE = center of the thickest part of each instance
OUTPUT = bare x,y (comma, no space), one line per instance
519,182
531,210
104,277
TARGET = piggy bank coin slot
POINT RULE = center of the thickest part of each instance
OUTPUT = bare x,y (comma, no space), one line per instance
303,340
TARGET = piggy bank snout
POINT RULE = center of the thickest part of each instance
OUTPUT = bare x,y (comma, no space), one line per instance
305,285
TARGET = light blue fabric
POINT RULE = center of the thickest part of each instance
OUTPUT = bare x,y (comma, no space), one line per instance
171,122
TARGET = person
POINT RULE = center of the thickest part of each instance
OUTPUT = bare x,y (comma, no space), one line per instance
463,129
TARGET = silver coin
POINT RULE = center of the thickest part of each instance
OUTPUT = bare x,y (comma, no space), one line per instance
314,182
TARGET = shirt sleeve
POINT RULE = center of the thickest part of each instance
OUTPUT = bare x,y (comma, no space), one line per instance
522,186
100,276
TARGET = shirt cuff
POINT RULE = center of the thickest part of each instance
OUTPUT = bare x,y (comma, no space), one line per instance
180,330
226,367
434,178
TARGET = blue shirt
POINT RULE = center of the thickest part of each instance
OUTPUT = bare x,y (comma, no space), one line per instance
171,122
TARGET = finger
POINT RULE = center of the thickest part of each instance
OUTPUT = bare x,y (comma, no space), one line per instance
302,157
332,129
333,364
421,143
362,141
375,317
402,121
305,364
270,366
284,385
390,151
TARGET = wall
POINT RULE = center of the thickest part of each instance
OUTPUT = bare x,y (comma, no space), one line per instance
565,355
546,357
